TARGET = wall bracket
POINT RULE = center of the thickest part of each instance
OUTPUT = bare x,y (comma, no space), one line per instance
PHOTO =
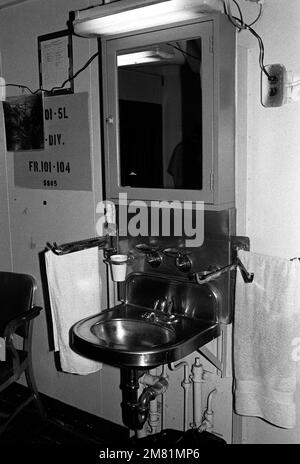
219,361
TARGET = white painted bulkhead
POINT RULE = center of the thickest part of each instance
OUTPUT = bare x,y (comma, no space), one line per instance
268,172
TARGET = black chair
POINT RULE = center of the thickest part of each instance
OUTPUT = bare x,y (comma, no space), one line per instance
17,311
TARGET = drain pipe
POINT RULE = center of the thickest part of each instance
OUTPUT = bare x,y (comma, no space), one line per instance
129,404
135,410
153,421
197,379
144,431
153,416
185,384
148,395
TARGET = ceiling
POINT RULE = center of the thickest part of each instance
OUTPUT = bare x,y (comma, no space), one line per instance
4,3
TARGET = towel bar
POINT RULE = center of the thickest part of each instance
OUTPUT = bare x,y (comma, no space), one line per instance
204,277
71,247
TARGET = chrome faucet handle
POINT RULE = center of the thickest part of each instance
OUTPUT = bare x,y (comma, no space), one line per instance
152,253
150,316
163,304
165,307
160,304
156,305
171,306
144,248
182,260
172,252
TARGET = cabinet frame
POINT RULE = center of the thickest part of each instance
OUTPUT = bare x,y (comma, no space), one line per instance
218,110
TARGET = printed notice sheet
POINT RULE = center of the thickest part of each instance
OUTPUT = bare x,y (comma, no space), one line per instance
65,163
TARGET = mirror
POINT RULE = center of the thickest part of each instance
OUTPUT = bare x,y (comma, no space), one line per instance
168,98
160,116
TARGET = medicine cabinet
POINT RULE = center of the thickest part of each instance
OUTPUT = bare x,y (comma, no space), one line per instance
168,98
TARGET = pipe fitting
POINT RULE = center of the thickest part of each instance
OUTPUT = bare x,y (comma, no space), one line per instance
129,387
149,394
209,401
149,379
135,410
208,420
197,371
197,379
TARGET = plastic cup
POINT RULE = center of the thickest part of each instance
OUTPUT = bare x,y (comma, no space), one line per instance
118,265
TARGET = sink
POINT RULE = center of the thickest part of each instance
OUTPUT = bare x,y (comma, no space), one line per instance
134,334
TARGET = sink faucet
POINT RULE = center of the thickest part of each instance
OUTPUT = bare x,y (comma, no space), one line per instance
165,306
160,305
162,312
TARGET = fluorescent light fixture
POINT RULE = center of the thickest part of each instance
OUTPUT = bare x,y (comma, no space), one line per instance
145,56
127,15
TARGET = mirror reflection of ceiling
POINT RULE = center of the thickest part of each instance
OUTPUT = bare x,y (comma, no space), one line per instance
172,53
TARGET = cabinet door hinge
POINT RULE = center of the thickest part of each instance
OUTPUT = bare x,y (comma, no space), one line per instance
212,181
211,44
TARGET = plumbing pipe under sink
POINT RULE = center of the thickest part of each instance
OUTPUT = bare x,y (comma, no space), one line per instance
135,410
197,379
149,394
154,416
185,384
126,337
208,423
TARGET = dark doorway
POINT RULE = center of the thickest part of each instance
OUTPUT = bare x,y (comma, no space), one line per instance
141,144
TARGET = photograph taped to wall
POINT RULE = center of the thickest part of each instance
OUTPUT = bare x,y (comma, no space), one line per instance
24,124
56,62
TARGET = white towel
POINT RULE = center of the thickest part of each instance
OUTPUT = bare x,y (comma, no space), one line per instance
266,329
75,293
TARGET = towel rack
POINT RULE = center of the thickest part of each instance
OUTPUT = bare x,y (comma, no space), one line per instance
237,243
105,242
203,277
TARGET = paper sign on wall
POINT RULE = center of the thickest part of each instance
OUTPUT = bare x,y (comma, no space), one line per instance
65,162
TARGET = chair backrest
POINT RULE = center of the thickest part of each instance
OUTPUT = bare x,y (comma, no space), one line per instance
16,296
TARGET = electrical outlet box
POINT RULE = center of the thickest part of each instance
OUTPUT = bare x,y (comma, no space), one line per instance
273,88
